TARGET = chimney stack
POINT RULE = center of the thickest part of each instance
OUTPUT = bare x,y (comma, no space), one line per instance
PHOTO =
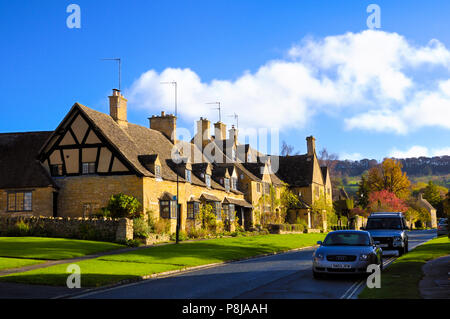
311,145
166,124
220,131
118,107
203,136
233,134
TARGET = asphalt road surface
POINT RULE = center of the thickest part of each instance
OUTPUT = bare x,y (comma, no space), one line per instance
286,276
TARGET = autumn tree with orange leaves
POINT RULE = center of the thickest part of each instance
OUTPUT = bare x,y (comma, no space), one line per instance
389,176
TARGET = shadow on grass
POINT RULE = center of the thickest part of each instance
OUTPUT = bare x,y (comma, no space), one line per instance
51,248
196,253
87,280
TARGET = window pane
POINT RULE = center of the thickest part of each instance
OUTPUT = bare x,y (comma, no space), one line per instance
28,201
164,209
196,209
11,201
19,201
190,210
173,209
231,212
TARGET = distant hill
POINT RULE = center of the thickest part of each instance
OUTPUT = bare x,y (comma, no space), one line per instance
422,169
421,166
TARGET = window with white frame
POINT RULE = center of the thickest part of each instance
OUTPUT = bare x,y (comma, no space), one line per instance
157,171
188,175
226,184
234,183
208,180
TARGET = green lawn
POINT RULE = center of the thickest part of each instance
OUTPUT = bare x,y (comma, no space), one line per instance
401,279
7,263
51,248
133,265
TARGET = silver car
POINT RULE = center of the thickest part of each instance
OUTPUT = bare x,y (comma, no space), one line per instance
346,252
442,227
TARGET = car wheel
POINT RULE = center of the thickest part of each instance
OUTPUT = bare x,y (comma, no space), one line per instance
406,248
400,251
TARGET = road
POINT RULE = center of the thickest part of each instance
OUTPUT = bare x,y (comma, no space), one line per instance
286,276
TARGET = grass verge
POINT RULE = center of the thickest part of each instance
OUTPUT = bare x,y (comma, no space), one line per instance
8,263
401,279
135,264
51,248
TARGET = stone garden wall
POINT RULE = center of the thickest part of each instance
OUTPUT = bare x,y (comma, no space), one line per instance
104,229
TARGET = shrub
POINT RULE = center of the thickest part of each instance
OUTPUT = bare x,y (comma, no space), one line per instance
196,233
181,236
162,226
140,228
121,205
150,221
130,242
104,212
20,229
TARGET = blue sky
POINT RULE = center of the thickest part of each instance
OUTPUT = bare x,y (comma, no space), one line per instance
46,67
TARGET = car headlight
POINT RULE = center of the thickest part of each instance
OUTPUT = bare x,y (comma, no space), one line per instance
363,257
397,239
318,256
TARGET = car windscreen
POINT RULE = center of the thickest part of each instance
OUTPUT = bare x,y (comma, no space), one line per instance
346,239
384,223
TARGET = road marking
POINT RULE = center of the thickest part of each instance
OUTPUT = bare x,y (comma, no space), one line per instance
353,289
348,290
357,284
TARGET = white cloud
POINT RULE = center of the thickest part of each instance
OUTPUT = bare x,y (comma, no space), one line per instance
426,108
418,151
368,72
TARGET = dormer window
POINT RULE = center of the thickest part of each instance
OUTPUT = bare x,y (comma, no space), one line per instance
208,180
188,175
226,184
249,157
233,154
234,183
158,171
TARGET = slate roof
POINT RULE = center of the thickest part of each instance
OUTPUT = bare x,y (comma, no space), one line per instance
296,170
19,166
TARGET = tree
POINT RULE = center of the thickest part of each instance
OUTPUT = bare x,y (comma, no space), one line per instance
363,192
329,160
319,206
121,205
389,176
432,195
287,150
386,201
